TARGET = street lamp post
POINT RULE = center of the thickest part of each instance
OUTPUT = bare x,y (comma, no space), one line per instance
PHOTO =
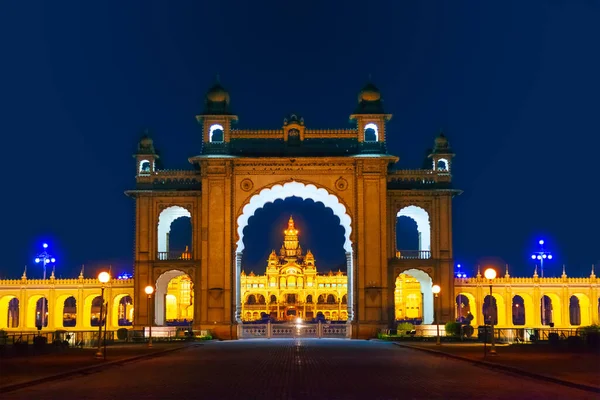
149,290
490,274
436,291
103,277
542,255
45,259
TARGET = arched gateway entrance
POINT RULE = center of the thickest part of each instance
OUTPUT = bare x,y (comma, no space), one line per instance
239,171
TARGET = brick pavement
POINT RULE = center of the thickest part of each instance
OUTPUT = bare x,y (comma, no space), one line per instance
300,369
580,366
16,370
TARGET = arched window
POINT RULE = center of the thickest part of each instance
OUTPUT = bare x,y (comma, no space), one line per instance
261,299
321,299
273,299
344,299
251,299
371,133
309,298
442,164
518,310
145,166
216,133
331,299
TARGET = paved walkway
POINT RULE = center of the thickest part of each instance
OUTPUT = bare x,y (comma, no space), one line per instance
580,366
299,369
16,370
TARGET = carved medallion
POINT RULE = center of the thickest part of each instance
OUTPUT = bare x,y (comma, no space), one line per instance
246,185
341,184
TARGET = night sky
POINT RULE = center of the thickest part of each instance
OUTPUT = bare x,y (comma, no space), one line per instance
514,84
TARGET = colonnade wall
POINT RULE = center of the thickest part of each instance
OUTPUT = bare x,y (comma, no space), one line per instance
559,293
84,290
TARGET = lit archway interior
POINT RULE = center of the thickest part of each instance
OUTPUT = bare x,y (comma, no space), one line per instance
303,191
421,217
409,296
173,301
371,132
122,310
442,165
469,311
165,219
9,312
215,133
35,305
65,314
583,303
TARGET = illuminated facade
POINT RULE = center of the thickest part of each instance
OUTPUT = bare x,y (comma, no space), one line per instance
238,171
292,288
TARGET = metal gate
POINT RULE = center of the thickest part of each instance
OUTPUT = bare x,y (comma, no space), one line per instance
294,330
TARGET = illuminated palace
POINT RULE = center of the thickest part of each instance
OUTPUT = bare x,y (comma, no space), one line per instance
291,287
198,280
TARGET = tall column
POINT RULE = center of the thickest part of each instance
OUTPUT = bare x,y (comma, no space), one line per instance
508,307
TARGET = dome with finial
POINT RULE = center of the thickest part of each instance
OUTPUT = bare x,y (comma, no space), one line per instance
146,144
442,146
369,93
369,100
217,94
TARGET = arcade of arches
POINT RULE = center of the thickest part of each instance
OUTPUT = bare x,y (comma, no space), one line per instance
198,279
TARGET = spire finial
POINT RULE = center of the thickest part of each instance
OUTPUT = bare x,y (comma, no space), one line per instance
564,274
593,275
81,272
52,275
478,271
507,274
535,274
24,276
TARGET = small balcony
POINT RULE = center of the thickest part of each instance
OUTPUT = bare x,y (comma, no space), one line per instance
174,256
413,254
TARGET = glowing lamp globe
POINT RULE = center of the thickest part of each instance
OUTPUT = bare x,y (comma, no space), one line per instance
533,256
490,273
37,260
549,256
45,245
53,259
541,242
544,256
539,257
149,290
436,289
104,277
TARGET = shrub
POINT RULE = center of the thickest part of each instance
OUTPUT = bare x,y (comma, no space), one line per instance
453,328
404,328
122,333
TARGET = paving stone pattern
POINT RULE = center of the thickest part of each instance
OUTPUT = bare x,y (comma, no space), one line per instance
299,369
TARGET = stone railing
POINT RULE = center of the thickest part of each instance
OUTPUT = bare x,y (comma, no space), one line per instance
334,133
257,134
418,176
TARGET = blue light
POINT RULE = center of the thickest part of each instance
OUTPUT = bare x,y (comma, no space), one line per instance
45,245
37,260
533,257
458,265
541,242
53,259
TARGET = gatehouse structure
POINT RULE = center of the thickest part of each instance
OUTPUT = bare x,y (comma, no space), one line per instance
350,171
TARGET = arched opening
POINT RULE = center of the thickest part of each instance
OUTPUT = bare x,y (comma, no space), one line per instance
145,166
292,273
466,308
371,132
69,312
273,299
518,310
123,305
37,312
490,310
174,234
344,299
9,312
411,243
580,310
331,299
174,299
96,307
550,310
574,311
216,133
442,165
413,298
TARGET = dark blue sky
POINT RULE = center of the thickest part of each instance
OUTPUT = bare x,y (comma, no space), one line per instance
515,84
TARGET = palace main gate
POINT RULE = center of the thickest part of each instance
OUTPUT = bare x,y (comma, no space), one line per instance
238,171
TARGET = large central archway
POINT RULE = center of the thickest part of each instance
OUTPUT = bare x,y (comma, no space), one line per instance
282,192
